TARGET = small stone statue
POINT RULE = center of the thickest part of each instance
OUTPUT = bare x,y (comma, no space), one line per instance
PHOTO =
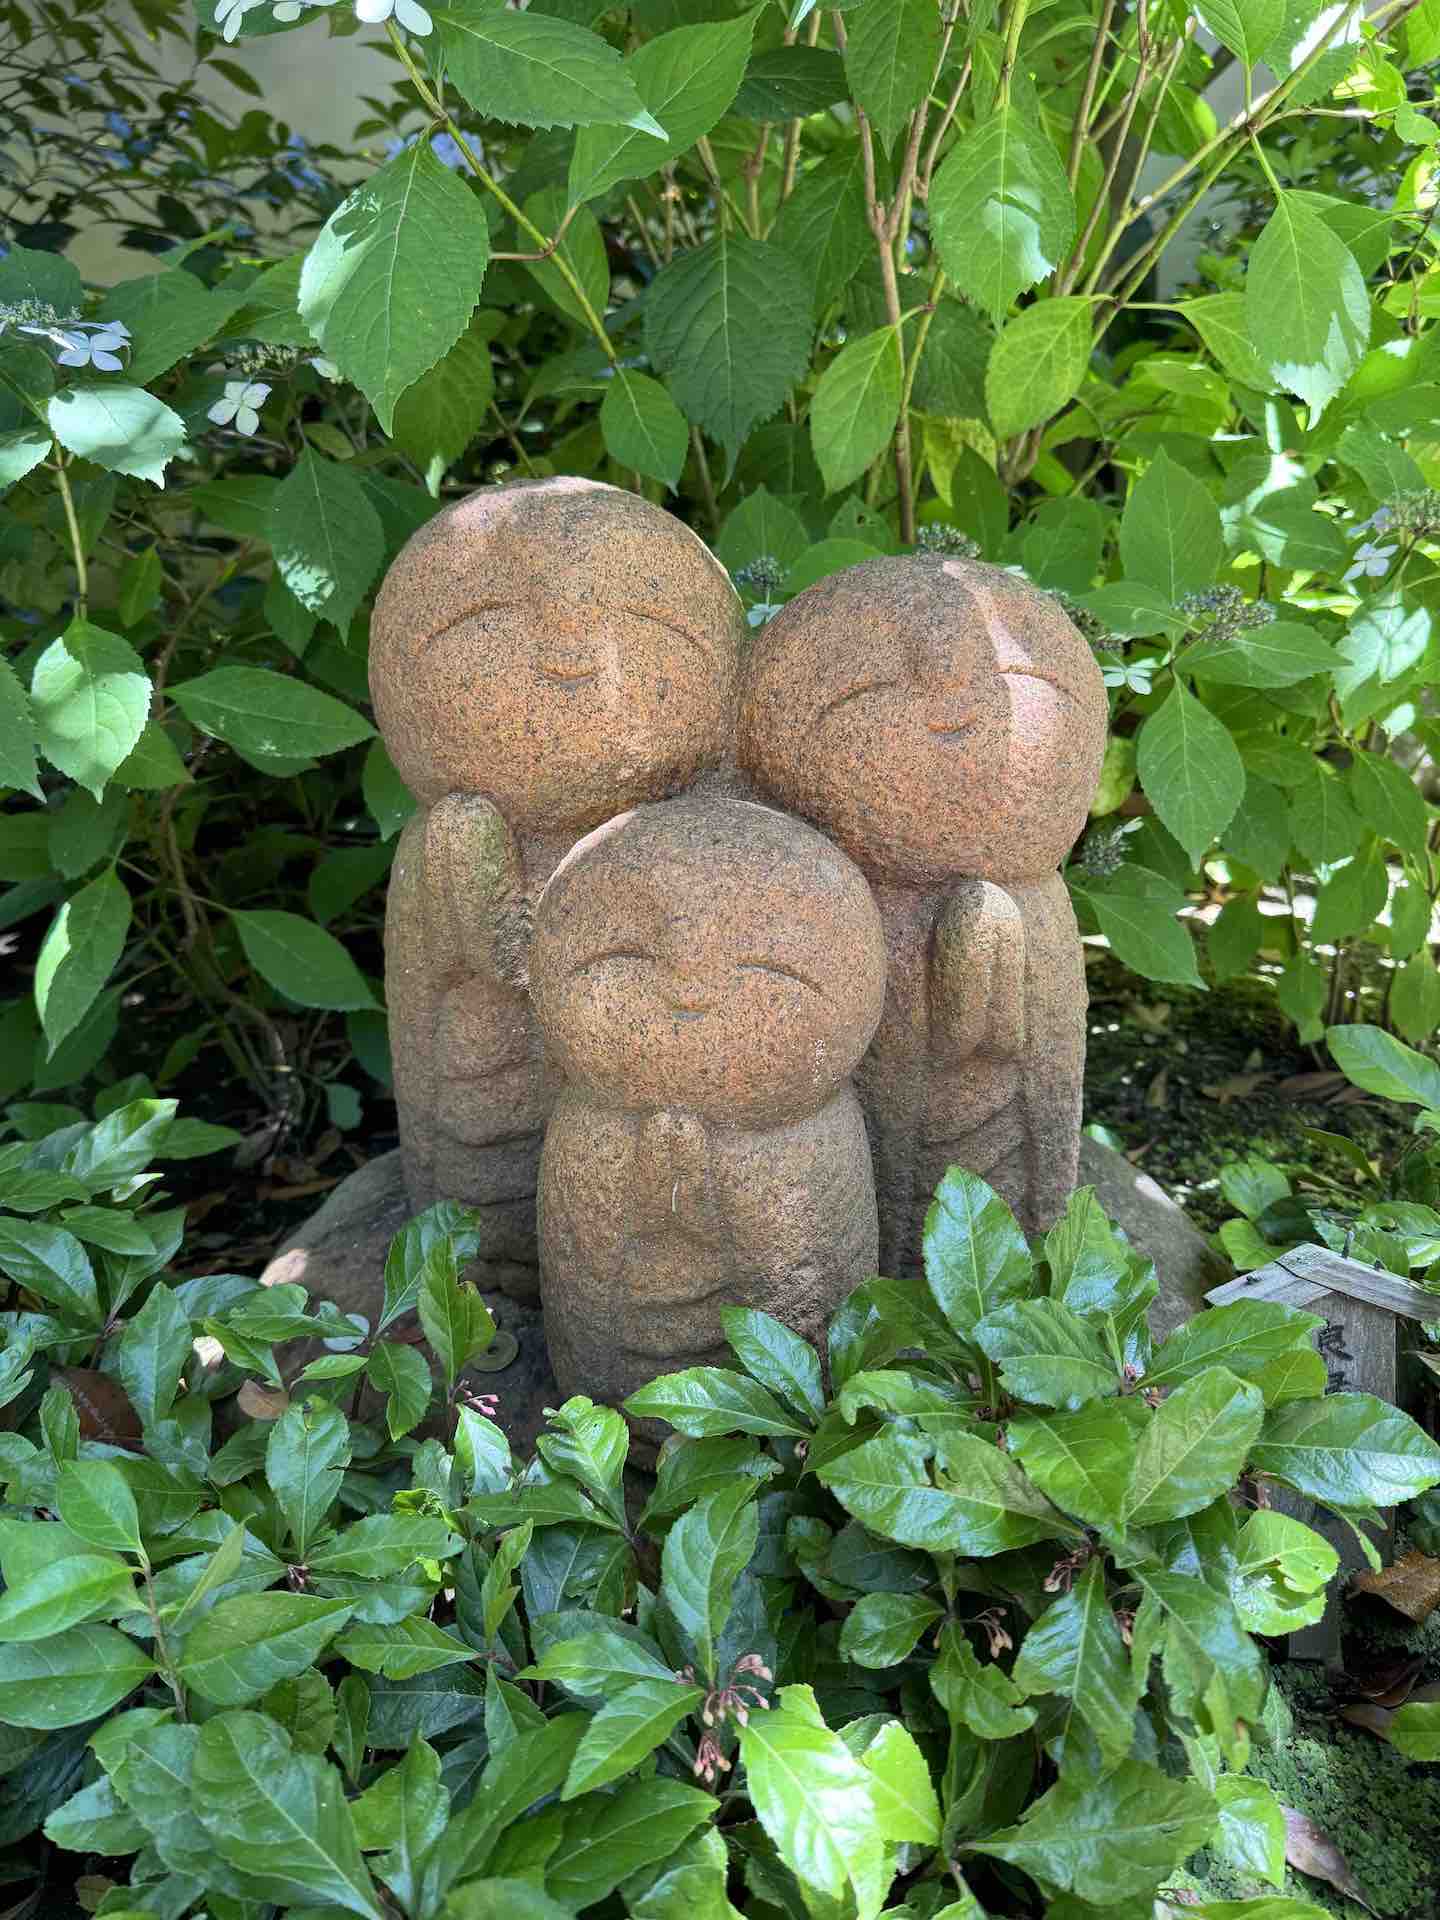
706,973
543,655
945,722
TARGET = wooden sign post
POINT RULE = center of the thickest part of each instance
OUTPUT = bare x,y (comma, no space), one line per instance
1361,1306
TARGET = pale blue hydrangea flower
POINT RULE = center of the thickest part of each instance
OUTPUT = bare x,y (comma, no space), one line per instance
99,347
1370,563
1137,676
239,404
407,13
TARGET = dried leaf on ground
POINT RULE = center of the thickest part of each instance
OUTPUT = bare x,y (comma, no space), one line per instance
1235,1088
1310,1850
102,1404
262,1403
1411,1585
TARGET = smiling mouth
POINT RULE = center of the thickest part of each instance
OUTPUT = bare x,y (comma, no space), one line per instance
567,677
943,731
688,1013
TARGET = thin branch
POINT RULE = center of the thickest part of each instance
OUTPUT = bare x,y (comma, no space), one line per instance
1087,96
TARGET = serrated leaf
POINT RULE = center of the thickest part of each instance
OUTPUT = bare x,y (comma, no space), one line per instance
247,1643
890,59
606,1839
1037,363
169,315
21,451
643,427
1079,1460
686,79
705,1553
811,1795
1047,1355
906,1806
1306,305
18,736
1219,319
152,1353
1246,27
976,1258
1075,1649
78,954
1190,769
1273,656
705,1401
856,405
628,1727
302,961
881,1629
1244,1336
403,1376
394,275
89,700
1388,800
123,429
1193,1447
776,1357
404,1649
1347,1450
268,716
535,71
727,325
70,1677
1137,913
63,1594
306,1453
1001,210
823,227
978,1694
456,1321
983,1504
327,538
97,1505
447,407
381,1545
1170,532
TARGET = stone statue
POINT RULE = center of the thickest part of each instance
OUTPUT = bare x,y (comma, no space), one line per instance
544,654
945,722
706,972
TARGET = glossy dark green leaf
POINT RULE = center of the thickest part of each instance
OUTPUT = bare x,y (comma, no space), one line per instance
70,1677
1193,1447
244,1645
1348,1450
882,1629
1076,1649
983,1504
630,1725
305,1457
978,1693
63,1594
811,1795
1080,1460
707,1401
1047,1355
705,1552
776,1357
976,1258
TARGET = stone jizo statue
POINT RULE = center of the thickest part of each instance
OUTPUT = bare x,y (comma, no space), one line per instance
944,722
706,973
543,655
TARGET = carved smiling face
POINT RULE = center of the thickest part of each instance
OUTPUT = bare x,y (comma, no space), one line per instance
939,717
562,647
711,955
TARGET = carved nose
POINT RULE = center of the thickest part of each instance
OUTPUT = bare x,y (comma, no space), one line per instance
567,656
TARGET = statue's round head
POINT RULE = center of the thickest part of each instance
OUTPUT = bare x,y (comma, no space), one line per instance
712,955
937,716
560,646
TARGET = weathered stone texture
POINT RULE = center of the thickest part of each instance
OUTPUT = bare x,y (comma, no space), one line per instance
945,722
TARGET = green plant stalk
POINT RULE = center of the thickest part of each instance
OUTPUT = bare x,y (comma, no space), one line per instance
1013,28
492,185
77,545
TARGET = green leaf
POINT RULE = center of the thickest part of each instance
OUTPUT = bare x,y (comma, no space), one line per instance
705,1401
152,1353
1251,1833
686,79
777,1358
385,1544
391,281
245,1644
1347,1450
300,960
328,540
1306,305
1001,210
305,1456
1353,897
1388,800
1244,1337
169,315
94,1821
1325,826
1136,911
1075,1649
17,736
1193,1447
824,229
1219,319
89,698
976,1258
1190,769
811,1795
643,427
1246,27
1047,1355
983,1504
535,71
1273,656
979,1694
69,1678
61,1595
1170,533
603,1660
1215,1674
1037,364
51,1263
605,1839
856,405
456,1321
97,1505
882,1629
1081,1460
268,717
444,1232
123,429
278,1819
1281,1571
906,1807
630,1725
1415,1730
406,1811
890,60
409,1647
727,325
1105,1840
403,1376
504,1899
705,1553
21,451
1376,1062
446,408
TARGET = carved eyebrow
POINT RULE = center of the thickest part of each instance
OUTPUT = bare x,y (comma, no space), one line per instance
468,613
609,953
785,973
854,693
1040,673
673,626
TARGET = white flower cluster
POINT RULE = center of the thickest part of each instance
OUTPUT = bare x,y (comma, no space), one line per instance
82,343
229,14
239,405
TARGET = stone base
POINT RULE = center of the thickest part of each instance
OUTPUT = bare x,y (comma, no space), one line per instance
339,1254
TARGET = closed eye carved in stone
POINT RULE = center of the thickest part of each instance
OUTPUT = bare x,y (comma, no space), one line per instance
609,953
781,972
673,626
469,613
854,693
1039,673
